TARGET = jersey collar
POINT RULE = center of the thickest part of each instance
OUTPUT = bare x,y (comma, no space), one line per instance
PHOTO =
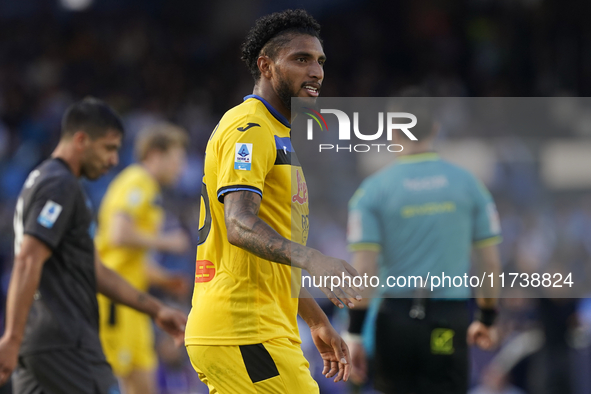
418,157
64,163
272,110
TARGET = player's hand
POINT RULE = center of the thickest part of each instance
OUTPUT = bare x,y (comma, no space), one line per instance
321,266
173,322
8,358
334,352
177,242
358,362
481,335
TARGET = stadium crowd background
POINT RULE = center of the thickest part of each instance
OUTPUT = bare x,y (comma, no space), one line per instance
179,60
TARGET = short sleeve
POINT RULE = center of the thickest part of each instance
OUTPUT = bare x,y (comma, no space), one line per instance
49,214
363,227
487,228
245,158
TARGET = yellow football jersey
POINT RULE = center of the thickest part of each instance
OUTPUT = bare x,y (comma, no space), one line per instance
240,298
135,193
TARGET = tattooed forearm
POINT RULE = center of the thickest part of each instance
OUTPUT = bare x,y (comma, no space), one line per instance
247,231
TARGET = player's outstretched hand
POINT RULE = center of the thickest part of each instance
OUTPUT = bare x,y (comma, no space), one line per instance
173,322
329,272
8,358
483,336
333,350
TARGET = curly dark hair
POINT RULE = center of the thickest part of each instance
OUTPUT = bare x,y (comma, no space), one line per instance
271,32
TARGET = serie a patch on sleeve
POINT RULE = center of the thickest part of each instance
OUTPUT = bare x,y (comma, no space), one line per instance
49,214
243,157
134,197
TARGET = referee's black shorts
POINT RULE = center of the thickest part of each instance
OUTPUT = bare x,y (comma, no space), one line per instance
65,371
427,356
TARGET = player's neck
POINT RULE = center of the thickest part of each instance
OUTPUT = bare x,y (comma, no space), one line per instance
267,92
152,168
65,151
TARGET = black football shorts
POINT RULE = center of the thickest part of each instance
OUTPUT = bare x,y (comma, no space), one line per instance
64,372
422,356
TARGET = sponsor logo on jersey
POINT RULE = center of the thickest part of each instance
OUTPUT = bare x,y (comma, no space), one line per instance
426,183
49,214
248,126
301,195
305,228
204,271
243,158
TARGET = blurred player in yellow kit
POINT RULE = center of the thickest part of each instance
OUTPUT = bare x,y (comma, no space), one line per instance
130,218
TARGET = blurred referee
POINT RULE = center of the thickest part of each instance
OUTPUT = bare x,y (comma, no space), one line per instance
419,215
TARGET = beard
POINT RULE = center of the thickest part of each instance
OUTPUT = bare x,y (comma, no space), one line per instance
89,173
284,91
90,170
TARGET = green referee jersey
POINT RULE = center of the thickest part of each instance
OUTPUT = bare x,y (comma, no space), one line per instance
423,215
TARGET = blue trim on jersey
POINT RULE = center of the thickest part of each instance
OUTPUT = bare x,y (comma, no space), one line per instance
272,110
285,142
236,189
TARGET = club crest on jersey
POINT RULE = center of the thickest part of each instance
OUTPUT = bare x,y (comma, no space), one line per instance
49,214
243,157
301,195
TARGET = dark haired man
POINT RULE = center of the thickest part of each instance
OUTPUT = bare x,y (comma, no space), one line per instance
52,312
421,215
242,334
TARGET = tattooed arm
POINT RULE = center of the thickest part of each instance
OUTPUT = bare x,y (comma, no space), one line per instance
249,232
110,284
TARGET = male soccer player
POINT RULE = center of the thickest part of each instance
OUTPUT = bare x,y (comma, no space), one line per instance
242,334
130,218
52,310
421,215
